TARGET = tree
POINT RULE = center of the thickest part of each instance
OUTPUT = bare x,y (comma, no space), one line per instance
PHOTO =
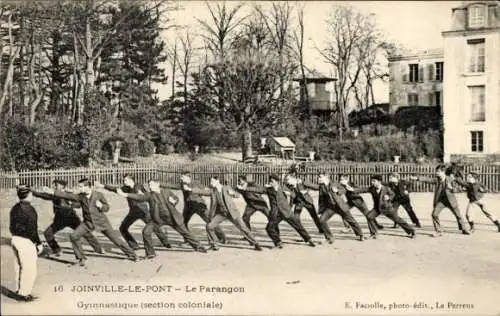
351,42
184,60
220,30
251,96
13,54
62,57
298,37
279,34
219,33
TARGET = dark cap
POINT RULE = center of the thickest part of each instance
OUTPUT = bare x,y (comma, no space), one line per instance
23,190
376,177
274,176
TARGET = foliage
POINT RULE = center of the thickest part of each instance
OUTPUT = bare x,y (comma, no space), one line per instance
92,63
42,146
390,142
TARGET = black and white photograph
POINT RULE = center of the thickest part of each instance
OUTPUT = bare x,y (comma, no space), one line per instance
163,157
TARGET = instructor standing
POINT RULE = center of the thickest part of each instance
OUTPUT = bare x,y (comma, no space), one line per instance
25,243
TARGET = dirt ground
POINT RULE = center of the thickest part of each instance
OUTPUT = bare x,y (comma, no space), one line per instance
455,274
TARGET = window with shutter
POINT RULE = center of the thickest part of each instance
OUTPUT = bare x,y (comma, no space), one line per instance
420,73
404,73
477,103
477,144
430,72
431,98
413,70
412,99
438,97
477,16
439,71
476,50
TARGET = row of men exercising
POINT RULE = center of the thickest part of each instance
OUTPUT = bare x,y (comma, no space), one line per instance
334,198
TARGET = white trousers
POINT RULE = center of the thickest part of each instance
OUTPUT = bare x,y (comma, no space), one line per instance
25,264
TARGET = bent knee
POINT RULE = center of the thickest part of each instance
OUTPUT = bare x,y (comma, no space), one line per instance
211,226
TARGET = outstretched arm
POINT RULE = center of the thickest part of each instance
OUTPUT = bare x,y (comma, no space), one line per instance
67,196
311,186
43,195
112,188
197,190
134,196
171,186
349,188
256,189
422,179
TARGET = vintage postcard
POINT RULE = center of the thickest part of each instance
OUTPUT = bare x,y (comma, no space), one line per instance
166,157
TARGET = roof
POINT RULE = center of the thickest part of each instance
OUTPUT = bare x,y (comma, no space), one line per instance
312,75
283,141
466,4
418,54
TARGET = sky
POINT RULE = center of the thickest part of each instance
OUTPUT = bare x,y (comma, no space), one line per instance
415,25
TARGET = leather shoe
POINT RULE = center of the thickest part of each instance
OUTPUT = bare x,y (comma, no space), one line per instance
26,298
214,248
202,250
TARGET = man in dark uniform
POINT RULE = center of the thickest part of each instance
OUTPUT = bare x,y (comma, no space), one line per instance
401,190
354,199
138,210
280,210
302,199
383,198
162,204
64,216
444,197
254,201
475,193
25,243
194,203
94,205
331,202
222,208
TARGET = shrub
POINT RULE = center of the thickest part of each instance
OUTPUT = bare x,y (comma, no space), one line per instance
52,143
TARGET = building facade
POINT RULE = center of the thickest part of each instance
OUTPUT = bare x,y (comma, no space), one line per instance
471,105
416,79
320,93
